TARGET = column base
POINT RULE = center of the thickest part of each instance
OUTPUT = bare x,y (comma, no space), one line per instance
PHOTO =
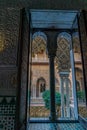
68,112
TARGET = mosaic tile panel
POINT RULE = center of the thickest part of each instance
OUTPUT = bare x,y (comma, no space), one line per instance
7,113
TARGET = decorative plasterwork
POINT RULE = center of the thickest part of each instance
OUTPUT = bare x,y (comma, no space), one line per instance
9,32
39,43
63,52
1,42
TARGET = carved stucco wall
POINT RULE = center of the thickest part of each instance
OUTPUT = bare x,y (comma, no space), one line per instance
9,29
9,33
8,81
39,71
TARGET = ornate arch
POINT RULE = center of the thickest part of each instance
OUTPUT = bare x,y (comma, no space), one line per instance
64,35
63,51
41,34
40,86
39,42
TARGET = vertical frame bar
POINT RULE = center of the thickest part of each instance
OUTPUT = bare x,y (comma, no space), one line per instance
74,80
19,61
82,55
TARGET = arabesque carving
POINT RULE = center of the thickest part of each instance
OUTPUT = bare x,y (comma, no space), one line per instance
9,32
63,54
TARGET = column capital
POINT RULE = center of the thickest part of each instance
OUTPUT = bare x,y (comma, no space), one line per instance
64,73
52,85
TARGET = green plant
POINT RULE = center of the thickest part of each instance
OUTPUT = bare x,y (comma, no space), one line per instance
80,95
46,98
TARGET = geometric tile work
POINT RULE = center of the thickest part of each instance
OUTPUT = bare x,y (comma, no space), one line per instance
7,112
55,126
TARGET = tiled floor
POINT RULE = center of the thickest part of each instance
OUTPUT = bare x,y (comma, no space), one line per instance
55,126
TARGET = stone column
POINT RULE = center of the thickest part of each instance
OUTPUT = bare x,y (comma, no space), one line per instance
75,107
51,47
34,91
67,95
62,94
52,90
64,80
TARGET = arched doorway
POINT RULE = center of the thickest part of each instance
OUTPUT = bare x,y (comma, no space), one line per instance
40,87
